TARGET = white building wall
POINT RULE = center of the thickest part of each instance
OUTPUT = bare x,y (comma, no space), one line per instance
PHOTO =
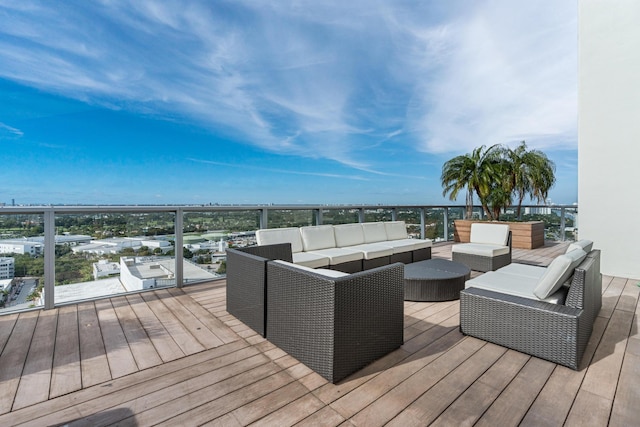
609,131
7,268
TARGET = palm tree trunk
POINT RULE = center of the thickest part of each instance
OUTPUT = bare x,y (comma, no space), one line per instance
518,212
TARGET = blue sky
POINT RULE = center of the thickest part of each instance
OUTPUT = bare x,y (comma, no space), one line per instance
243,101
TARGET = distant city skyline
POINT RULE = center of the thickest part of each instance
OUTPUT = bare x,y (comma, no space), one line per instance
288,102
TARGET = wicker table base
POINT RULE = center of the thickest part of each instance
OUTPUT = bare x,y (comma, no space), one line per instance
434,280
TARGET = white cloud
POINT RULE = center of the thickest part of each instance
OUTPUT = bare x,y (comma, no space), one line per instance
316,79
506,74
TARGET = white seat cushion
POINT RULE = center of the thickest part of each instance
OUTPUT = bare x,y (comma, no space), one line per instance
321,271
585,245
339,255
481,249
510,284
348,235
560,269
310,259
493,234
373,250
317,237
396,230
401,246
271,236
374,232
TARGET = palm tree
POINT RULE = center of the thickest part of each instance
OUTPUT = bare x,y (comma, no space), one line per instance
532,173
476,172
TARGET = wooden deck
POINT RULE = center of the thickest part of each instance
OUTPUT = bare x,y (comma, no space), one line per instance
176,357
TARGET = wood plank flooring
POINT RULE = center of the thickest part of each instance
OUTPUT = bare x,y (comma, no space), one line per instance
176,357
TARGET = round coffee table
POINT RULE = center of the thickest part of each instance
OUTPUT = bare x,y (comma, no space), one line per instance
434,280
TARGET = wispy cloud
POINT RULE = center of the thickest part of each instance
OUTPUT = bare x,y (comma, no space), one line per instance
284,171
9,132
499,75
313,79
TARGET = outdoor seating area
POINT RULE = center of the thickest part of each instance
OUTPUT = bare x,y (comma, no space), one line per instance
337,323
178,357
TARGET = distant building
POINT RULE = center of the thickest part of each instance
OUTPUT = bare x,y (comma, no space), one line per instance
545,210
104,268
21,247
137,273
118,244
7,268
5,284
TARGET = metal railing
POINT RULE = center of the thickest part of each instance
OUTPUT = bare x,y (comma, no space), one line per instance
49,222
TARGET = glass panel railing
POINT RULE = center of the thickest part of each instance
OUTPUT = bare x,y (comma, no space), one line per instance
434,224
282,218
204,244
340,216
454,213
21,261
375,215
110,253
101,251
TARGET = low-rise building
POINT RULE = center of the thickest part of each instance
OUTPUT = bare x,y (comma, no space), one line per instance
7,268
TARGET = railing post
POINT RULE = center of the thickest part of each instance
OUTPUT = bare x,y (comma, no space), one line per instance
318,216
179,242
264,218
394,214
361,217
422,223
49,258
445,218
562,224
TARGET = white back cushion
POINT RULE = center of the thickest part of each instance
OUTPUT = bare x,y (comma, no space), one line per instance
374,232
558,272
583,244
348,235
317,237
396,230
271,236
494,234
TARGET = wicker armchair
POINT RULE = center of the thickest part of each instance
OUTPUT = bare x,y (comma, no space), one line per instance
477,255
335,326
247,282
556,332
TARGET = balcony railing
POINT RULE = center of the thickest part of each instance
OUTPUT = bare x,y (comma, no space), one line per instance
65,254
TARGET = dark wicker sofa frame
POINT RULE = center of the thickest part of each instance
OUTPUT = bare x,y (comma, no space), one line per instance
483,263
335,326
247,282
558,333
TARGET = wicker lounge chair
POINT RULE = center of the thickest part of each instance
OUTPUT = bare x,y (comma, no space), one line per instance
335,325
488,250
558,332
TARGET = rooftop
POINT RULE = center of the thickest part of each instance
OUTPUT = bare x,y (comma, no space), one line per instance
176,357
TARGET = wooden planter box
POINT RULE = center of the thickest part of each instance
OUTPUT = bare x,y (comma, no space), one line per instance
525,235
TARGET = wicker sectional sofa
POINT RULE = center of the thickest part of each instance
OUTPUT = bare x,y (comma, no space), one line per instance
334,322
545,312
349,247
